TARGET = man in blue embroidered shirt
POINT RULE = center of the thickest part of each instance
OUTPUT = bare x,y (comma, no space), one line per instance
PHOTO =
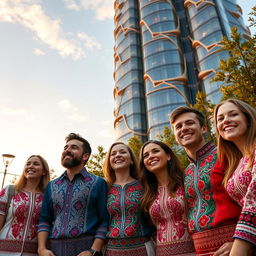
74,216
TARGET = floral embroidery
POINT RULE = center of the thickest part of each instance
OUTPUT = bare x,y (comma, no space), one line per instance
168,215
22,225
198,189
124,208
241,187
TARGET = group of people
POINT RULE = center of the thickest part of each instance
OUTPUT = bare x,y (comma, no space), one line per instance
142,207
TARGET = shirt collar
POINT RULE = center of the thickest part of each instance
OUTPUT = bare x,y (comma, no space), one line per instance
203,151
83,173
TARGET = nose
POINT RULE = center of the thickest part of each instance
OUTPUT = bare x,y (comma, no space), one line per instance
226,119
184,128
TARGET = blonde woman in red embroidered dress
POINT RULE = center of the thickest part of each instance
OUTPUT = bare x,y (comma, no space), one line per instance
236,133
18,226
164,199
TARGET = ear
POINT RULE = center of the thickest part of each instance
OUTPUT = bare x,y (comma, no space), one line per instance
204,129
169,157
86,156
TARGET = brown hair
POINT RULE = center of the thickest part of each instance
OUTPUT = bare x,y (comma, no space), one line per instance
109,173
21,182
227,150
149,180
185,109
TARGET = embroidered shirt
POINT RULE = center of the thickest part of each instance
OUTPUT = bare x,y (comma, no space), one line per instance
126,218
169,216
242,188
74,208
19,233
209,204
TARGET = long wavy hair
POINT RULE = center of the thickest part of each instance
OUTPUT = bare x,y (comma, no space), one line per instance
21,182
109,173
228,152
149,180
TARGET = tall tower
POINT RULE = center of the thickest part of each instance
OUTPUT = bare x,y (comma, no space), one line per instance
165,51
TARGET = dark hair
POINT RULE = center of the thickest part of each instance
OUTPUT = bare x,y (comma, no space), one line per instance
185,109
149,180
86,144
109,173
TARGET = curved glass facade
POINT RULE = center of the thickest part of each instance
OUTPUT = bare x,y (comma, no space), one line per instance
165,51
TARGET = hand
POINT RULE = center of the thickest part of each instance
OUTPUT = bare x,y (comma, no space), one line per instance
85,253
224,250
45,252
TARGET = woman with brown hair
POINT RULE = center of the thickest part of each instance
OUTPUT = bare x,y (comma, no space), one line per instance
164,199
129,233
235,123
19,214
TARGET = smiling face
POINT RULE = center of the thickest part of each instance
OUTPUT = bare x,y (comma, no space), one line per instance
231,123
120,158
188,132
73,154
33,168
154,158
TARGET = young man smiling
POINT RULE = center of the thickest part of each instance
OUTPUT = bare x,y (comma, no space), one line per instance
74,216
212,213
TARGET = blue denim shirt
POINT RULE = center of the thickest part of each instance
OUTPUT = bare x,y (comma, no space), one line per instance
74,208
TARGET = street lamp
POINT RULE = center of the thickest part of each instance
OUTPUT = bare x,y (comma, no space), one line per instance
7,159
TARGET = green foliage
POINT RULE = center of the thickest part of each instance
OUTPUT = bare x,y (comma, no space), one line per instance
168,138
206,108
252,18
135,144
238,72
95,163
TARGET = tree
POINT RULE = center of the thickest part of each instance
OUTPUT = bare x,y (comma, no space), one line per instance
95,163
206,108
168,138
135,144
238,72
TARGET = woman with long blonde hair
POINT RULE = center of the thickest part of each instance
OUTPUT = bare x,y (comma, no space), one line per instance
19,212
129,232
235,123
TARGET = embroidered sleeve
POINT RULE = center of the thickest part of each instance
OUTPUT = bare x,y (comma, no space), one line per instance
246,226
102,211
3,200
46,213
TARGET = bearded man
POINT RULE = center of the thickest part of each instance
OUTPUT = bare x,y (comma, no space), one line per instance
74,216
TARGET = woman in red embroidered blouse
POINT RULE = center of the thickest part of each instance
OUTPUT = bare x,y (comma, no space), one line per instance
236,133
164,199
129,233
18,227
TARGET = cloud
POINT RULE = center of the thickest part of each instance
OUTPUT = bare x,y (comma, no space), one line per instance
89,42
71,110
38,52
31,15
104,9
12,111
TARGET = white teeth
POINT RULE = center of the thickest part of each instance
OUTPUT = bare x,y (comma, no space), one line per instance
186,136
153,162
228,128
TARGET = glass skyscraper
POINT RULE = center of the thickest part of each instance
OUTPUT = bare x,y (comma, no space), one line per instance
165,51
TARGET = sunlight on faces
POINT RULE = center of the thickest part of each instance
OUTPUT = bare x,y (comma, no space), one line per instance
120,158
33,169
231,123
154,158
187,130
73,154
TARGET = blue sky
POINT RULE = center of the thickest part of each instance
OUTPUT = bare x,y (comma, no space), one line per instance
56,76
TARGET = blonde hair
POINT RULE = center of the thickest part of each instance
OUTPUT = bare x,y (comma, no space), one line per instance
21,182
227,150
109,173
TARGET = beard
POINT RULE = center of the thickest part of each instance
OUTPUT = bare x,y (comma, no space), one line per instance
73,162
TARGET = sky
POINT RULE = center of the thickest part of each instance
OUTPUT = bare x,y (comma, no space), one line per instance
56,76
